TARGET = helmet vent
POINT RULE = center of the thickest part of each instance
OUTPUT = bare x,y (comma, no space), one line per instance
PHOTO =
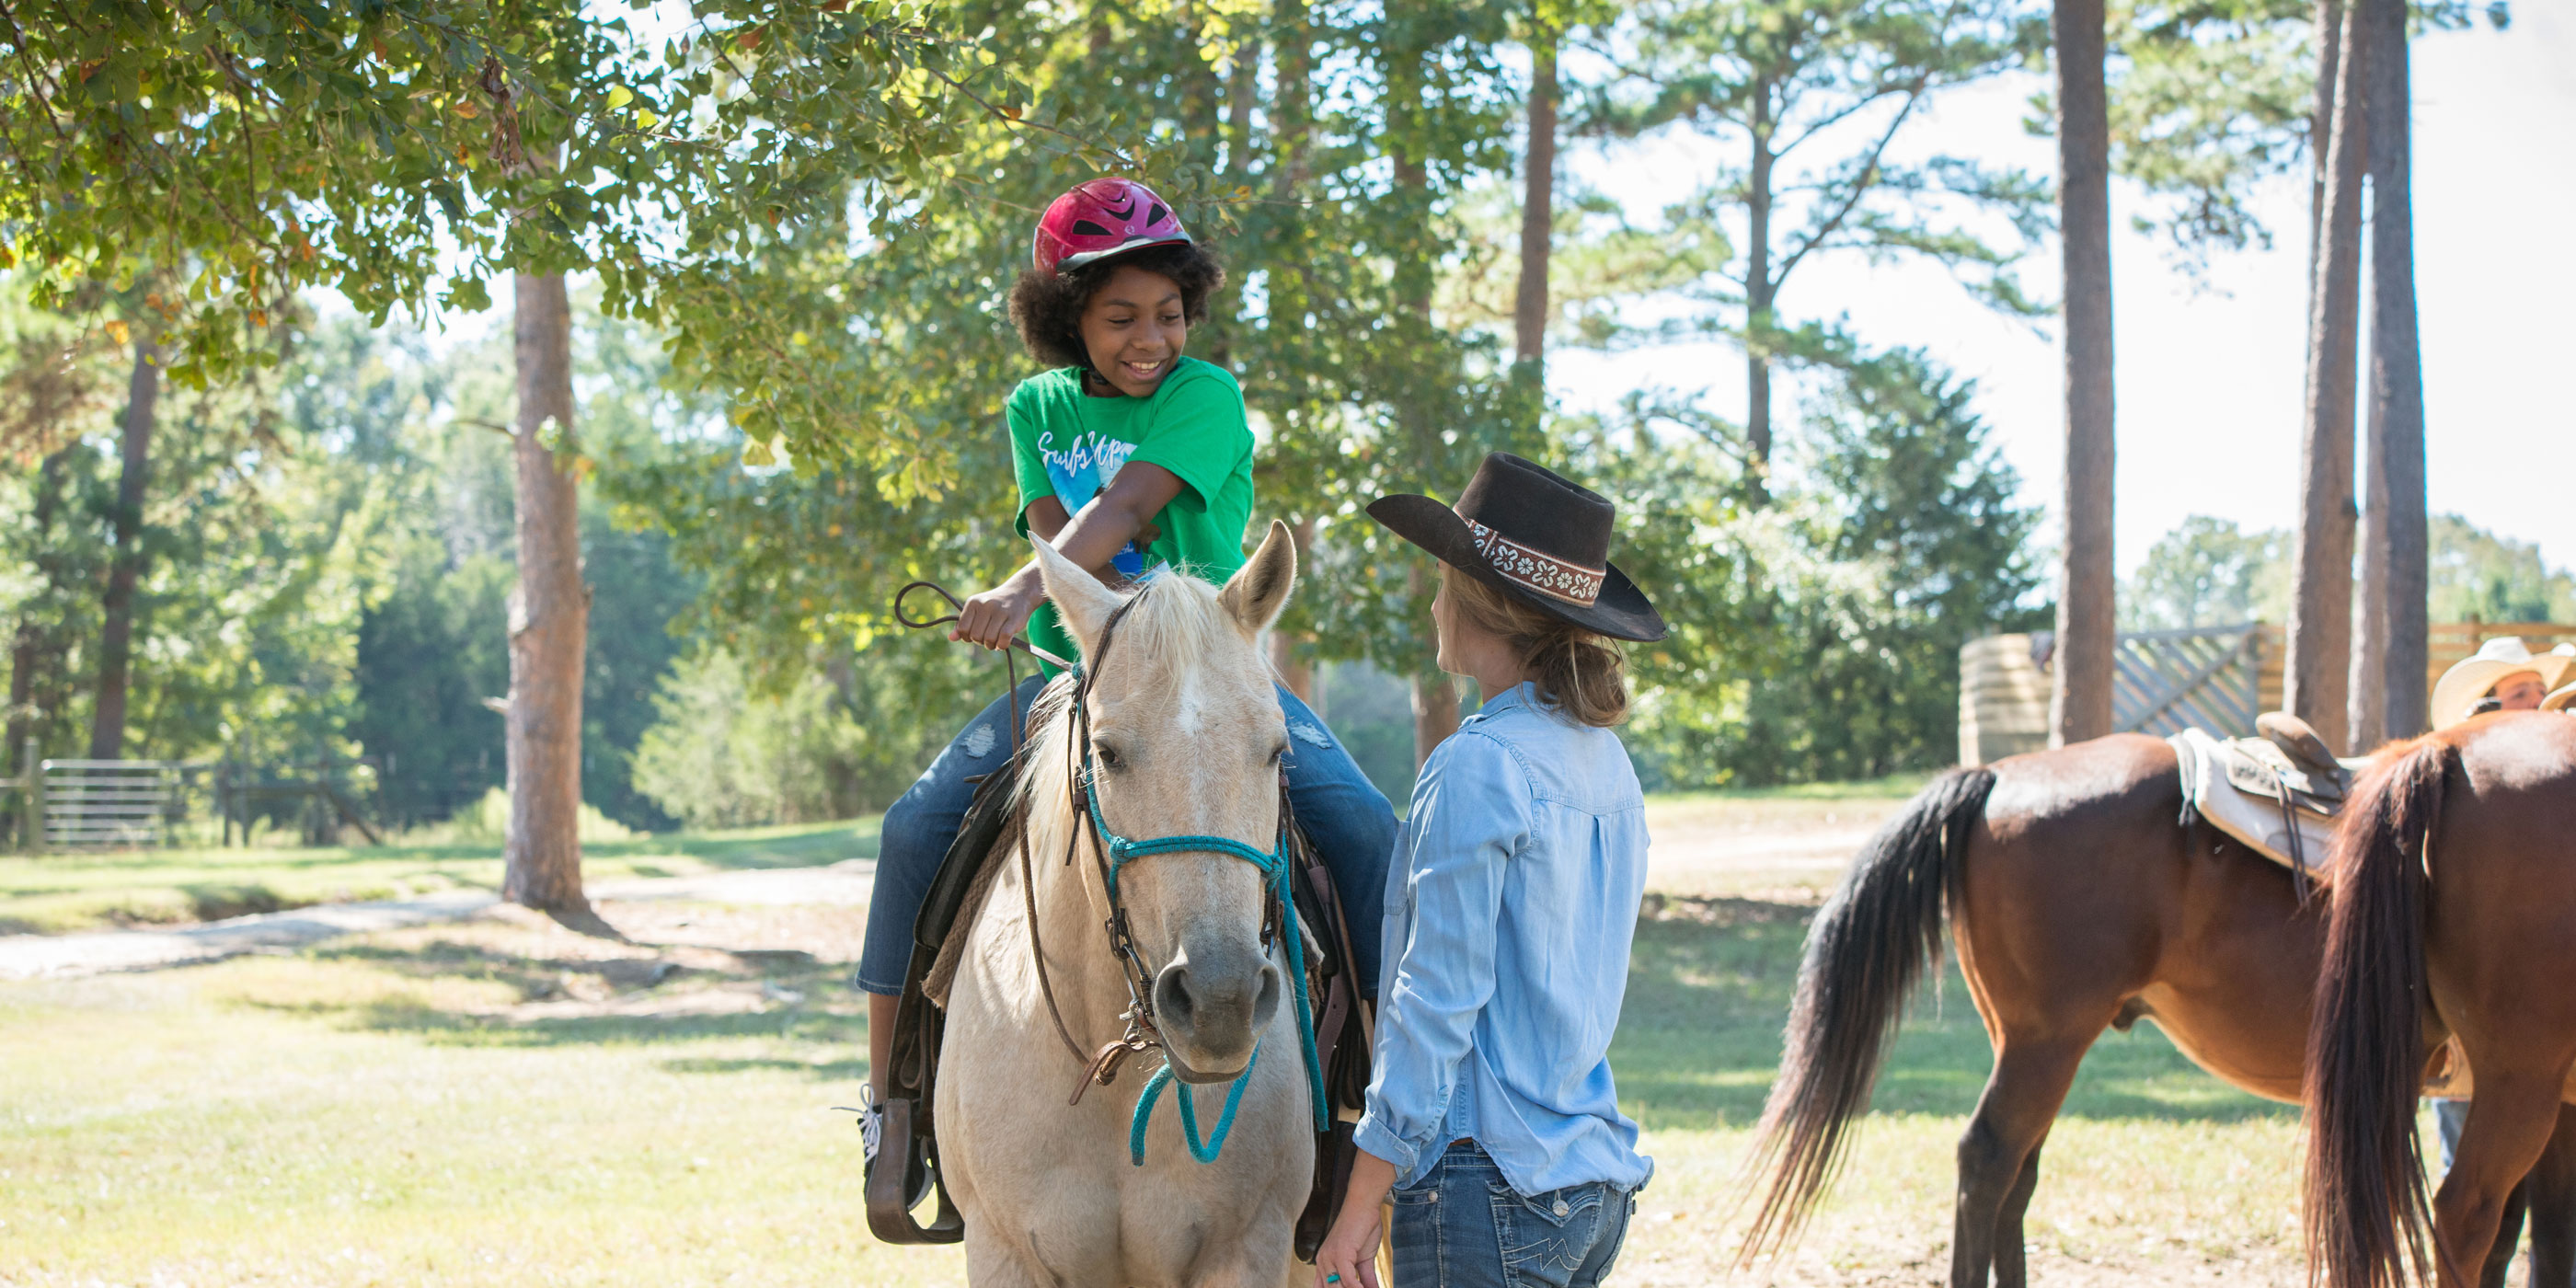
1156,215
1090,229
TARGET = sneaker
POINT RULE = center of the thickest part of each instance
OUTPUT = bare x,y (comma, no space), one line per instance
872,1140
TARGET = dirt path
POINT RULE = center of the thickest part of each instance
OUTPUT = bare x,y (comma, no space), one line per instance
61,956
1788,851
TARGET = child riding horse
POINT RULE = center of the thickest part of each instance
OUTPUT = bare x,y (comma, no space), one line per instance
1128,456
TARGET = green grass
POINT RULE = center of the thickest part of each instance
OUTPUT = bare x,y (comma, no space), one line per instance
62,892
506,1102
352,1116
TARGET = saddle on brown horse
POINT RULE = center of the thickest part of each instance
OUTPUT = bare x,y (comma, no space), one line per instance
2279,793
908,1157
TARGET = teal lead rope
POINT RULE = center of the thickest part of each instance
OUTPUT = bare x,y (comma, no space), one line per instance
1274,869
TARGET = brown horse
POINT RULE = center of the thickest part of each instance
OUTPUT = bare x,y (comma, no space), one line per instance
2080,900
2455,917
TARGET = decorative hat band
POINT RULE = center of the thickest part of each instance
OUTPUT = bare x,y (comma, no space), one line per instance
1536,569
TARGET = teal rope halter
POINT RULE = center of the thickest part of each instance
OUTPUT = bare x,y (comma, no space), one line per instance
1274,870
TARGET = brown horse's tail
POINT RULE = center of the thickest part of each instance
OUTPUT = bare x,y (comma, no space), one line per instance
2366,1217
1866,951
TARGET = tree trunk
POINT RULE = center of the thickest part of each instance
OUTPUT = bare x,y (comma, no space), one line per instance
1435,708
27,646
1292,116
1758,290
549,617
1201,119
1538,209
2366,694
2087,605
2329,23
116,607
2320,643
1243,86
1435,714
2396,377
2397,369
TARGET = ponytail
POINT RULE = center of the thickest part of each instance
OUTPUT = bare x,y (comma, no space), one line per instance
1577,672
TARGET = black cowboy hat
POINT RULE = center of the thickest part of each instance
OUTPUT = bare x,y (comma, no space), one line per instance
1534,535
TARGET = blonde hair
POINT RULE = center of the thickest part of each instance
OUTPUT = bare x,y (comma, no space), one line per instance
1578,672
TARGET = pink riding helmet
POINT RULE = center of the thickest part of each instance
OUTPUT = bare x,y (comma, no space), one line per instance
1101,218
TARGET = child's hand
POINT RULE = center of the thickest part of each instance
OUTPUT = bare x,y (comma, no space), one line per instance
993,617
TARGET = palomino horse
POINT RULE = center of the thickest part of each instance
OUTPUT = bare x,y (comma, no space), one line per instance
2455,917
1185,741
2079,901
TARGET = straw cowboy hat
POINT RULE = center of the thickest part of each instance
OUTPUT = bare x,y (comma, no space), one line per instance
2561,700
1534,535
2463,685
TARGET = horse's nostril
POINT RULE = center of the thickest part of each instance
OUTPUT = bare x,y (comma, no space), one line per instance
1172,996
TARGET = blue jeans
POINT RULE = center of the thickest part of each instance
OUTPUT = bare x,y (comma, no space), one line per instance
1463,1226
1344,815
2449,1116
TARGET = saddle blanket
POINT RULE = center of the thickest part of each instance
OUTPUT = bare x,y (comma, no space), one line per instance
2294,835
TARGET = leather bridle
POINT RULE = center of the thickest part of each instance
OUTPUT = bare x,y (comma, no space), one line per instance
1110,852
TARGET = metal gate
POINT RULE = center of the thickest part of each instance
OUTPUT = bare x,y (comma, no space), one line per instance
108,804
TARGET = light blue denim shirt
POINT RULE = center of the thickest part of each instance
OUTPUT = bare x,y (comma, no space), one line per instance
1510,904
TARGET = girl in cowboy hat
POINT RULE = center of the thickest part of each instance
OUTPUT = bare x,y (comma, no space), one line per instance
1127,456
2503,675
1492,1120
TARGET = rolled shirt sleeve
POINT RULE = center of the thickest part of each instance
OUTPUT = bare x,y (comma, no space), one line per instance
1470,814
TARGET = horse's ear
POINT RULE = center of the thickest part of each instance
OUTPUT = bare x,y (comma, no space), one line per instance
1080,599
1259,589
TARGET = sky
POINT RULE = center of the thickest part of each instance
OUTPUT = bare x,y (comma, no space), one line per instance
2209,385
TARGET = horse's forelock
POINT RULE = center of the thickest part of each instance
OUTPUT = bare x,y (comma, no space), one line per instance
1174,624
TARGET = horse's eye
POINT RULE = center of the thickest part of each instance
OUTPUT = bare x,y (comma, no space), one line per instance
1107,755
1278,752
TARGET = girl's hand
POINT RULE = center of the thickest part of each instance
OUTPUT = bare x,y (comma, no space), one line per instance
1348,1258
993,617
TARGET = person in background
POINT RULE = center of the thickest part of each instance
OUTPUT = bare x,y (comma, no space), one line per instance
1492,1121
2503,675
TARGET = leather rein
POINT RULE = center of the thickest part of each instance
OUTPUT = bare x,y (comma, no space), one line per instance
1109,853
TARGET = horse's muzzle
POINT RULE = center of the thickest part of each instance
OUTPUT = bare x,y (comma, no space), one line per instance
1211,1009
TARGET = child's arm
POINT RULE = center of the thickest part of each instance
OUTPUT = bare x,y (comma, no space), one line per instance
1113,519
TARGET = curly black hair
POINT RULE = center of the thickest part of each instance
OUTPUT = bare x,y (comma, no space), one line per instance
1048,310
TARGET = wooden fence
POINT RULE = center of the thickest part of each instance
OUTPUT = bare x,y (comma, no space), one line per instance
2218,678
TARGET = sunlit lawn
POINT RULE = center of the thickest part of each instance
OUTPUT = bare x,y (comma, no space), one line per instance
504,1101
52,893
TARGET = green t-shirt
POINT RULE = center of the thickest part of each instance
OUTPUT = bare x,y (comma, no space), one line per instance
1069,445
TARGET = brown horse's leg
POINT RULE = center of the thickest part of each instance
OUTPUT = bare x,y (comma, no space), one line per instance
2552,1187
2012,1269
2510,1122
1998,1155
2508,1233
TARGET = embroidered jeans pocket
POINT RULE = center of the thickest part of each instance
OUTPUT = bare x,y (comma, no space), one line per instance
1546,1238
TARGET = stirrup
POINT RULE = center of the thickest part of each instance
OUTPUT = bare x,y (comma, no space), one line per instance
872,1143
890,1219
